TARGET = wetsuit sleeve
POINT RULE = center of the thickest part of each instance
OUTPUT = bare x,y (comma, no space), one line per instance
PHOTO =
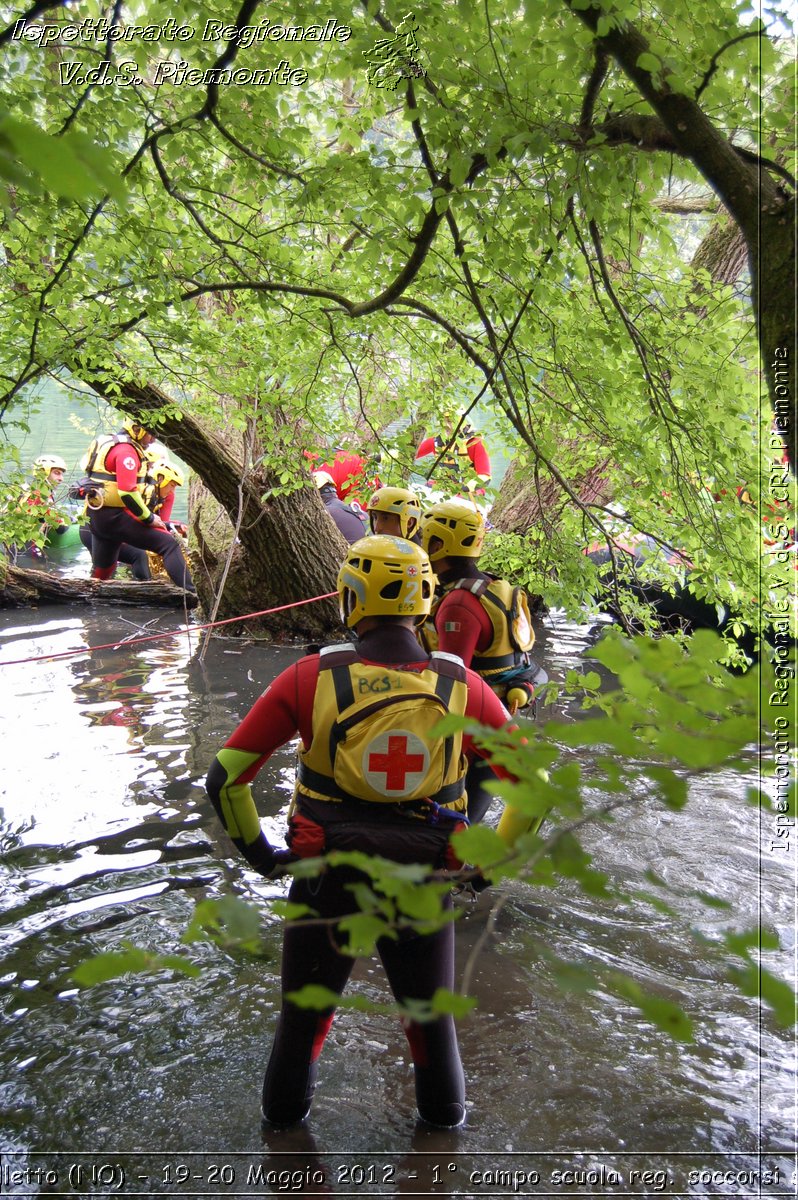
462,625
125,462
236,808
284,709
480,460
485,707
164,509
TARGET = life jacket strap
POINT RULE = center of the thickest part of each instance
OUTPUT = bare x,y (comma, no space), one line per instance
326,786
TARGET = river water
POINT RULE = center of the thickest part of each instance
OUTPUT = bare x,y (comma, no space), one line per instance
151,1084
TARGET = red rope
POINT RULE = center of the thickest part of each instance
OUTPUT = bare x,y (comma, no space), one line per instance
154,637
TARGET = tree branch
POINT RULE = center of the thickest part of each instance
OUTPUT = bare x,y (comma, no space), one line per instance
36,10
713,62
694,135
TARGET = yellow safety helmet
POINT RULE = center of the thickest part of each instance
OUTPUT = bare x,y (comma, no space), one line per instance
459,526
401,502
135,429
49,462
384,576
166,472
323,478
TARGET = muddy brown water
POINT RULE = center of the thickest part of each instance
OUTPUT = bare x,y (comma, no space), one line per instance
150,1084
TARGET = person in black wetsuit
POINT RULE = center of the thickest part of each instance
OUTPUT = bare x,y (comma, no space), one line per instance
397,792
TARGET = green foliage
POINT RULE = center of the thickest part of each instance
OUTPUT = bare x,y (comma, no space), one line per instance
229,922
71,167
130,960
675,713
443,1003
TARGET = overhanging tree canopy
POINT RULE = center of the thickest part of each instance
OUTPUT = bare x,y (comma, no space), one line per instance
331,251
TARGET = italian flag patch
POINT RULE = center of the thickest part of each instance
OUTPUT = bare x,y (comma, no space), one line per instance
451,626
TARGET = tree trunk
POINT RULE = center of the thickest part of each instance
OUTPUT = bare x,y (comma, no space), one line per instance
722,252
278,564
520,505
23,587
288,549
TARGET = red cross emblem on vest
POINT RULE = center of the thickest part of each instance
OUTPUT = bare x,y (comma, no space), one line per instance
396,762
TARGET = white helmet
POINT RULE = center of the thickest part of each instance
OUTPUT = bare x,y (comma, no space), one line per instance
49,462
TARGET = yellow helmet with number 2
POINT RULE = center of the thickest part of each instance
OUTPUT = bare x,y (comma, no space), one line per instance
384,576
458,525
400,502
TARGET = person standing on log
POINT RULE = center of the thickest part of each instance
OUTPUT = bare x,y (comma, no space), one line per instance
116,466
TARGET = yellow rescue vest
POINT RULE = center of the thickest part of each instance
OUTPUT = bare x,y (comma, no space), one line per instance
96,468
371,739
512,634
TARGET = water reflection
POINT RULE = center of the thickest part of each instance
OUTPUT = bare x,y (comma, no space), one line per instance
106,835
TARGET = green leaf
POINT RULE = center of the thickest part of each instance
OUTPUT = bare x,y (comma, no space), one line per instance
446,1003
313,995
71,166
668,1016
664,1013
649,62
672,787
459,166
419,901
130,960
479,844
756,938
229,922
364,930
291,912
759,983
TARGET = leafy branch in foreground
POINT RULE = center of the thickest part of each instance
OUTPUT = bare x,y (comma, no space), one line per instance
674,715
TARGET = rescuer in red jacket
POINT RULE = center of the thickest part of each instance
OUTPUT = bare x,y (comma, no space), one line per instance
116,467
387,788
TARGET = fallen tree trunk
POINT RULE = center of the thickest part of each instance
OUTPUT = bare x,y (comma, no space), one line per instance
23,587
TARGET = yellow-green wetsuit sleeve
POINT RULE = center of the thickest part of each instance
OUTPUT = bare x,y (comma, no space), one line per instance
235,806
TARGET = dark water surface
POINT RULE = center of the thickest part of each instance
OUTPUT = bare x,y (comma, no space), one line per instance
151,1085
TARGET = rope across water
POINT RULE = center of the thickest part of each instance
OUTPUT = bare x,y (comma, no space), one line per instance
154,637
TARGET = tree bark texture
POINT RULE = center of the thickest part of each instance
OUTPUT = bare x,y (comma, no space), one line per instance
24,587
